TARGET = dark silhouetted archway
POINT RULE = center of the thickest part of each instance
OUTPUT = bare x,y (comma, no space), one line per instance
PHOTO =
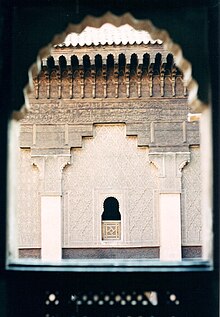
111,209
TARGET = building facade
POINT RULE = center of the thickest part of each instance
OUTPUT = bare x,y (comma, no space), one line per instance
109,166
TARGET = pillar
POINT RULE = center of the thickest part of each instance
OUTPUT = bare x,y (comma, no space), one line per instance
170,165
207,183
51,228
170,227
51,167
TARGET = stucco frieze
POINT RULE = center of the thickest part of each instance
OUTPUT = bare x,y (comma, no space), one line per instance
170,167
62,123
50,171
71,112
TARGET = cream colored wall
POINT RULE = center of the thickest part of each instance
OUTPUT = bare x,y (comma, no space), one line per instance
110,164
191,200
28,202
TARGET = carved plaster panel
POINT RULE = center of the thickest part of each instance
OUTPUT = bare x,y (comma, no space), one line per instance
84,111
111,163
191,201
51,168
170,167
157,124
28,202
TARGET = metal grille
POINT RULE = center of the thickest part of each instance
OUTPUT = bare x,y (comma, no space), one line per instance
111,230
116,294
111,304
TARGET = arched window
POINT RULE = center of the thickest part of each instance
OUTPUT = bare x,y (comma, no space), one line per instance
111,209
111,220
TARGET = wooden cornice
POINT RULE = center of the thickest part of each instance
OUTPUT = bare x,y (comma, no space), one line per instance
109,71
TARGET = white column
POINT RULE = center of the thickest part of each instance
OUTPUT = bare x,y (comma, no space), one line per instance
51,228
170,165
207,185
51,167
170,227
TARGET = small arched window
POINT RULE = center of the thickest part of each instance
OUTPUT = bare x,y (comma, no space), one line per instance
111,209
111,220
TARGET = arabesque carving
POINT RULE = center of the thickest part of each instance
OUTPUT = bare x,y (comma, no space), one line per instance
170,167
96,122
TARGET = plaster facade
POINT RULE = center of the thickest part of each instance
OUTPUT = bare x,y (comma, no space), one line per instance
109,125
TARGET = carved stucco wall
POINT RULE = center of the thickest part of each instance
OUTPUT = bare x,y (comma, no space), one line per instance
28,202
110,164
122,128
191,200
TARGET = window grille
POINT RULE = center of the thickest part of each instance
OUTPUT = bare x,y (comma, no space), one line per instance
111,220
111,230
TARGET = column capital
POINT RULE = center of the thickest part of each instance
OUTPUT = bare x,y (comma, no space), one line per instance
170,166
51,168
